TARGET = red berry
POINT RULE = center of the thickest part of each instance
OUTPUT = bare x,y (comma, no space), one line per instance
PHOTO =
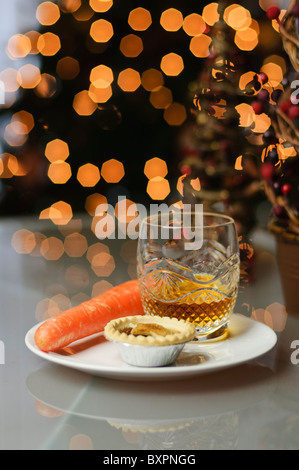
258,107
263,77
185,170
286,188
267,171
285,106
293,112
273,13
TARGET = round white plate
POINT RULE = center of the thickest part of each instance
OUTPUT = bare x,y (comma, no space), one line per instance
247,340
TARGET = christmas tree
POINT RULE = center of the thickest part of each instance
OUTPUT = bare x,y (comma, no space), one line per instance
222,146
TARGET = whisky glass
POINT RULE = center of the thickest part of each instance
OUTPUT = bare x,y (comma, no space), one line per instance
196,282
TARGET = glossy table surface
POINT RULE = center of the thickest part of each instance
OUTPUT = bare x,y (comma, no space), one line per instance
46,268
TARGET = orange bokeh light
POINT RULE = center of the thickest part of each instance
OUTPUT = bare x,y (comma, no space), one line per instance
103,264
69,6
101,30
172,64
56,150
155,167
274,72
129,80
67,68
93,201
23,241
25,118
171,19
200,45
88,175
47,86
47,13
100,6
161,98
175,114
13,136
101,76
75,245
60,213
29,76
237,17
152,79
83,104
210,13
245,79
18,46
194,24
246,114
112,171
99,94
140,19
52,248
158,188
131,45
48,44
246,39
59,172
33,37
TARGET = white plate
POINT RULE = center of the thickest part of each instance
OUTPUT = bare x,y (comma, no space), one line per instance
247,340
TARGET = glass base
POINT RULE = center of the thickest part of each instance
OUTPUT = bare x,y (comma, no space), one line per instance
218,335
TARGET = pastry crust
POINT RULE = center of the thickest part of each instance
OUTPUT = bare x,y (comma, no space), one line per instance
146,330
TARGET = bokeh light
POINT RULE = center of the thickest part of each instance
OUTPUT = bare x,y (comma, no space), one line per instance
23,241
88,175
171,19
47,86
161,98
140,19
103,264
9,78
75,245
131,45
47,13
210,13
158,188
18,46
237,17
194,24
101,76
175,114
101,6
59,172
59,212
68,68
112,171
101,30
155,167
152,79
52,248
129,80
172,64
29,76
99,94
48,44
83,104
200,45
56,150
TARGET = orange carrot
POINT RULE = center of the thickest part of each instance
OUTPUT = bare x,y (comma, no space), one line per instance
89,317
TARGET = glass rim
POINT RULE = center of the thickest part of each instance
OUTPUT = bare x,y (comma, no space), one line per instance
227,220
